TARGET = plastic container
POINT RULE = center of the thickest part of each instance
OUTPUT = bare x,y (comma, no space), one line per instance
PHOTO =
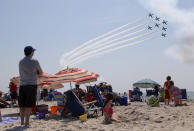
83,117
54,110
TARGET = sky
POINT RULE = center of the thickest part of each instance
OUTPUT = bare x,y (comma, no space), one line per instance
55,27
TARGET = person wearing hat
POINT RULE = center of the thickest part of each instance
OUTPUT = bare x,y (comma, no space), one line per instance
29,69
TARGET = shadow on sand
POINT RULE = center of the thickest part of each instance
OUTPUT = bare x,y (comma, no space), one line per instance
18,128
65,119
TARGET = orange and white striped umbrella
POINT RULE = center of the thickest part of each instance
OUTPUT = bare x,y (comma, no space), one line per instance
78,76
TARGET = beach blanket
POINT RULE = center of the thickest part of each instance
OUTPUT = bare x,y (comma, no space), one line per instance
9,120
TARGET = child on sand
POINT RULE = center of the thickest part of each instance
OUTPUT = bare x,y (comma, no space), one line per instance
166,91
108,111
175,92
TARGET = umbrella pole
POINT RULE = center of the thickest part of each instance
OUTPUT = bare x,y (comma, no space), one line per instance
38,89
70,85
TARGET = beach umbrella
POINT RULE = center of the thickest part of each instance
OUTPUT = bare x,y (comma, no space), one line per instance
41,80
78,76
50,85
146,83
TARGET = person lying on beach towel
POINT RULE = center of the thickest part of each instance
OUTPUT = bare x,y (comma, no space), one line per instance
108,111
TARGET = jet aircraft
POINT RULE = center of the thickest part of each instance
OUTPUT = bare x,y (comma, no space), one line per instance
164,22
157,25
157,18
164,35
163,28
151,15
149,28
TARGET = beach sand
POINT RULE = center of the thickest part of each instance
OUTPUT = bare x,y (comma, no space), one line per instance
135,117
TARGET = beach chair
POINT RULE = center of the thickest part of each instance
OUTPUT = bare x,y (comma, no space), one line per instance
73,104
184,94
98,106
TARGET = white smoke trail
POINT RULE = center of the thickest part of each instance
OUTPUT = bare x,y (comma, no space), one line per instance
183,20
101,36
106,43
113,49
110,46
83,50
63,58
122,37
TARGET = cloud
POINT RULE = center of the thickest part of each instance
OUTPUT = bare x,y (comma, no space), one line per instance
183,20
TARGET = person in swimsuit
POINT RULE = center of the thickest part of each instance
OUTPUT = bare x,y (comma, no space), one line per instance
108,111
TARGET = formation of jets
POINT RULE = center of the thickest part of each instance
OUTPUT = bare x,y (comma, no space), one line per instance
157,18
164,22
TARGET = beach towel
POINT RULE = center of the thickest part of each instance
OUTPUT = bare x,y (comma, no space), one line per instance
176,92
9,120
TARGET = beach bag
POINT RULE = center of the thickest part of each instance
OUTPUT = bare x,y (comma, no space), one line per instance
42,108
41,115
153,102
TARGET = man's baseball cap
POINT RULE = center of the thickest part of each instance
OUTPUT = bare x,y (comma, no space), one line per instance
29,49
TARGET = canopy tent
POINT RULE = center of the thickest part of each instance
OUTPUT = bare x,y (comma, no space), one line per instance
146,83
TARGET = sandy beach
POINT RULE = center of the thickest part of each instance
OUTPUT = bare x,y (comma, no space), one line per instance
135,117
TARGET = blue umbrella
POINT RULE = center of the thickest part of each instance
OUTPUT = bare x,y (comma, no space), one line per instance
146,83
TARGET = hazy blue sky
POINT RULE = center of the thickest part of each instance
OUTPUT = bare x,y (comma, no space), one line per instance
54,27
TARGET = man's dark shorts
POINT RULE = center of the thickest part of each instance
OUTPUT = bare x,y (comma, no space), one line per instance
27,96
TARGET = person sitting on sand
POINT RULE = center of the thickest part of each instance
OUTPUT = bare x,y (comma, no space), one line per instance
175,92
108,111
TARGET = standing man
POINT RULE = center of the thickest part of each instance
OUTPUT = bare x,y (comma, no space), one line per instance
29,69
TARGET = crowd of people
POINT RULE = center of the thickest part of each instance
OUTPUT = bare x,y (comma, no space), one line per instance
29,69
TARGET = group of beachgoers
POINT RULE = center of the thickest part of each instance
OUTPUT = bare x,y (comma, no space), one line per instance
29,70
172,93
